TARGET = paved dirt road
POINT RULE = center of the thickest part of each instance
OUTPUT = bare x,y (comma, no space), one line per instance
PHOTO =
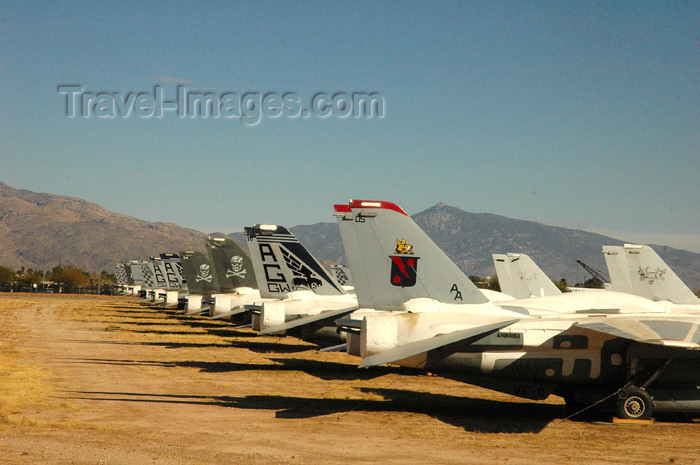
90,380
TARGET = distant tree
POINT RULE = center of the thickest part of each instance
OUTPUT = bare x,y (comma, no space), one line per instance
494,285
486,283
104,278
7,275
591,283
562,285
28,276
70,275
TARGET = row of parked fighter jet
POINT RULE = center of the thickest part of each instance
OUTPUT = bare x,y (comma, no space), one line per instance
410,305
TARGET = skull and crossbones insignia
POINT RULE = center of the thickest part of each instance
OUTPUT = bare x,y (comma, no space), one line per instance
204,273
236,267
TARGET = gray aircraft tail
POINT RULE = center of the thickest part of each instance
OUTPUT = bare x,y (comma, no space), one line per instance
198,273
393,261
616,261
646,273
120,274
158,268
232,266
167,272
129,274
519,276
136,272
173,271
149,278
342,275
283,265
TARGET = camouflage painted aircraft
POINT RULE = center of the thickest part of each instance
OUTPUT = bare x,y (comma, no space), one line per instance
431,316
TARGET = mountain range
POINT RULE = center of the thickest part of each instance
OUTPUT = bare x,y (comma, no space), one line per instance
40,228
44,230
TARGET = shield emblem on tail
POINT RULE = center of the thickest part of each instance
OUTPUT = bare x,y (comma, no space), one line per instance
403,270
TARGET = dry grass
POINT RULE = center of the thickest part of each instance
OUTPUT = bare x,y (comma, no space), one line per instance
90,379
23,386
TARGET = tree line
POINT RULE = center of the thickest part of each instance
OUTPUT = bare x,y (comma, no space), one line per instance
69,276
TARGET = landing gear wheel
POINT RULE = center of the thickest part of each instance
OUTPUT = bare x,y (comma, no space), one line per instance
634,403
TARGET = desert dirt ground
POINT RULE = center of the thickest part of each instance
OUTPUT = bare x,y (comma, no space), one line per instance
108,380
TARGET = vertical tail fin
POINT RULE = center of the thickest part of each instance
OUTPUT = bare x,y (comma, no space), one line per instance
129,274
159,273
650,274
149,278
136,272
120,274
173,271
393,261
520,276
616,261
342,275
198,273
231,264
282,264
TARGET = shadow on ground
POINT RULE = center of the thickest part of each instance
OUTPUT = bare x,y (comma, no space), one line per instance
471,414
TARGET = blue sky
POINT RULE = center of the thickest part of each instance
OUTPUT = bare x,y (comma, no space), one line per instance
583,114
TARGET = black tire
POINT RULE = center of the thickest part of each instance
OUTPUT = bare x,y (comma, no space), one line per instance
634,403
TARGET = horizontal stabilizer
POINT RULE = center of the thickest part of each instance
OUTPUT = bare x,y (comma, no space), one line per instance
198,311
349,323
338,348
425,345
235,311
329,315
255,308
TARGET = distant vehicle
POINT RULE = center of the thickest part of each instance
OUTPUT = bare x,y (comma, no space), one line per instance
42,291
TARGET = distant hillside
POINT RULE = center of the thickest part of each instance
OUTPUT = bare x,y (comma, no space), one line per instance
469,239
79,232
85,234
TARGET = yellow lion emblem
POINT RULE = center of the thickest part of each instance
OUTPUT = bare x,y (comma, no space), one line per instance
403,247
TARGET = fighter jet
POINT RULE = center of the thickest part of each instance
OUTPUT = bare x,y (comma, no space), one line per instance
122,282
342,275
236,277
642,355
637,269
520,276
300,293
134,276
163,279
201,279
